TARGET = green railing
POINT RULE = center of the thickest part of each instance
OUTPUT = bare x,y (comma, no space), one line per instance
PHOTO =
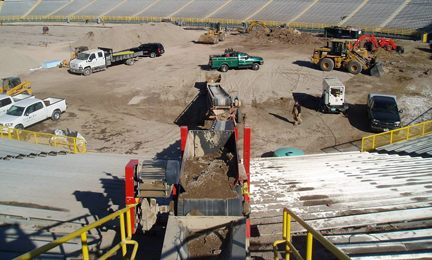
83,234
405,133
191,20
74,144
311,234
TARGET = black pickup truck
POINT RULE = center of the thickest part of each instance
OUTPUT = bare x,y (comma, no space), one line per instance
383,112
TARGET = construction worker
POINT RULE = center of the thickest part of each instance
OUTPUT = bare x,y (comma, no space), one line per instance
296,111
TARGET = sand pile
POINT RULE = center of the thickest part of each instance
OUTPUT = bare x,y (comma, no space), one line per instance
284,35
14,63
126,36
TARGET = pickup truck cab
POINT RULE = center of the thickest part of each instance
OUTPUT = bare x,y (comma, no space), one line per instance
32,111
233,59
7,101
383,112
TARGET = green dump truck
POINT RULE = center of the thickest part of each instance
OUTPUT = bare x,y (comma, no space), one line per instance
233,59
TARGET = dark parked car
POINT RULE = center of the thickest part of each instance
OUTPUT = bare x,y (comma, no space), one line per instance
150,49
383,112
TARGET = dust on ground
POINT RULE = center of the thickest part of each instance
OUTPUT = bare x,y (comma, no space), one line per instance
208,177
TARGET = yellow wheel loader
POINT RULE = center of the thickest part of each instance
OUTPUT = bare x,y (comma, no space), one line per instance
75,53
245,27
214,34
12,86
339,53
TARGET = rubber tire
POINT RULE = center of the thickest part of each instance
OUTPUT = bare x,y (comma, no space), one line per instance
20,127
56,115
87,72
327,64
255,66
152,55
354,67
388,47
224,68
239,116
130,62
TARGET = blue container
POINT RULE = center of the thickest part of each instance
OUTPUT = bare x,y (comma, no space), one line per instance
286,151
51,64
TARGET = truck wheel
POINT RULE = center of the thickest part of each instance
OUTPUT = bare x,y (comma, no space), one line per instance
56,115
87,72
354,67
327,64
224,68
255,66
152,55
130,62
19,127
400,49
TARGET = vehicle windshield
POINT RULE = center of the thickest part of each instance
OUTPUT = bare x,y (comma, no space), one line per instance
15,111
83,56
385,107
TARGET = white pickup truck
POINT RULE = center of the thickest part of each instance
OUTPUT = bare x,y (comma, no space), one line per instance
7,101
31,111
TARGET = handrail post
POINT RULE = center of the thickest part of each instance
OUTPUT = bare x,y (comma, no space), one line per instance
309,246
122,234
84,244
391,137
407,135
373,142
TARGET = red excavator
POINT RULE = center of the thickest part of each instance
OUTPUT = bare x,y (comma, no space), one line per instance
371,43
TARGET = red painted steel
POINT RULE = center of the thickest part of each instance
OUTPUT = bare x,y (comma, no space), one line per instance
246,163
130,189
183,134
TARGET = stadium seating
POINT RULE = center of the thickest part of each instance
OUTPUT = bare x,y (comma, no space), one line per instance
282,10
46,7
17,7
200,8
99,7
130,7
164,8
239,9
73,7
374,12
329,11
417,14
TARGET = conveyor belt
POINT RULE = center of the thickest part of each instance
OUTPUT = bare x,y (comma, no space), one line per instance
220,97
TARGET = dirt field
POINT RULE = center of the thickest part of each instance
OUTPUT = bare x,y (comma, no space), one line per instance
133,109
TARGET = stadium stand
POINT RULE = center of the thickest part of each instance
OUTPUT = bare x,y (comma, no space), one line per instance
374,13
164,8
239,9
200,8
73,7
17,7
329,11
282,10
417,14
130,7
48,6
99,7
420,146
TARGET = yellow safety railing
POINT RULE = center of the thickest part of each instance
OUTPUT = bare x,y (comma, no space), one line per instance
300,25
312,233
373,141
83,233
74,144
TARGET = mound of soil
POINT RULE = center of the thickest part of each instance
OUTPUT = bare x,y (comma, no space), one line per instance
206,245
208,176
125,37
284,36
15,63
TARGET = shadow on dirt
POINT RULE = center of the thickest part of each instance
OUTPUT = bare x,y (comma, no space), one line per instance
267,154
281,118
358,118
307,101
194,113
172,152
307,64
207,68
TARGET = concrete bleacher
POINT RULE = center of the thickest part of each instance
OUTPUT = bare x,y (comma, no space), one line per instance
239,9
13,7
99,7
48,6
200,8
419,146
164,8
73,7
282,10
344,195
130,7
329,11
374,13
417,14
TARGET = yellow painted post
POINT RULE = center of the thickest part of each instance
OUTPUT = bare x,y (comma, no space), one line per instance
373,142
18,134
391,137
424,38
407,135
423,128
122,234
35,136
309,246
84,246
288,236
129,224
75,146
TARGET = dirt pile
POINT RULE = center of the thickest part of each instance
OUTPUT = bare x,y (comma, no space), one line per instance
15,63
208,176
125,37
207,245
284,36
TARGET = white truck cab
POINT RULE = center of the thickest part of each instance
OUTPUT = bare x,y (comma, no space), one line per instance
7,101
88,61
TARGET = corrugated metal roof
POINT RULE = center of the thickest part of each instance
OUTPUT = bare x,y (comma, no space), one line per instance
370,205
10,149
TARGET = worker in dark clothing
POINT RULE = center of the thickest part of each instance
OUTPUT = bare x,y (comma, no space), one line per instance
296,111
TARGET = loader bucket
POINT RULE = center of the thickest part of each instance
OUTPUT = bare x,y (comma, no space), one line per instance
377,70
209,39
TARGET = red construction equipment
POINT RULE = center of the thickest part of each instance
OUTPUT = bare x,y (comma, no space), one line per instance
371,43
